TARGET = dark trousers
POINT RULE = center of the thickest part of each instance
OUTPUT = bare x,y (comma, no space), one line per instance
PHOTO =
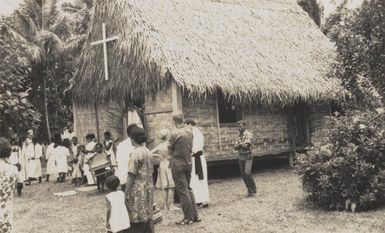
245,165
182,178
141,227
19,187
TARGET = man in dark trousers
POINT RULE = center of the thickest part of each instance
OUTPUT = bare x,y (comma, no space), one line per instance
180,147
243,146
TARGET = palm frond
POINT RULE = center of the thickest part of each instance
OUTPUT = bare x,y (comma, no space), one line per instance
70,8
49,12
49,42
34,53
74,44
25,26
32,9
64,25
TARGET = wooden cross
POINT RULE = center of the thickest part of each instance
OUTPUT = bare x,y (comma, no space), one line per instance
104,42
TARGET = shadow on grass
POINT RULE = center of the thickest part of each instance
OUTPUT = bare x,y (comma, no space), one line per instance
231,168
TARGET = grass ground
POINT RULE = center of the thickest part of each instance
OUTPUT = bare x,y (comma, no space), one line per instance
278,207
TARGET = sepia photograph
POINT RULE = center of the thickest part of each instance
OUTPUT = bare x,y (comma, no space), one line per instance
192,116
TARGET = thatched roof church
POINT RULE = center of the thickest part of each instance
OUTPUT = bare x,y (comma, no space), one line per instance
217,61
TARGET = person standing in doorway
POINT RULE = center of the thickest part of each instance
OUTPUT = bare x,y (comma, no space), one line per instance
180,146
243,146
198,182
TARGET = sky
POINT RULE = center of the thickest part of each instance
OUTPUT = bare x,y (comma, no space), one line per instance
331,5
8,6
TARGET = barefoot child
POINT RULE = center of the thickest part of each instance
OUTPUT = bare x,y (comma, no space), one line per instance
117,215
76,173
165,181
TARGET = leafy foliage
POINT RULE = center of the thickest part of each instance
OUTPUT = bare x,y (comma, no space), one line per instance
347,171
50,40
360,39
16,111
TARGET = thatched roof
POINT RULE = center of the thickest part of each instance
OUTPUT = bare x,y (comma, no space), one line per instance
266,51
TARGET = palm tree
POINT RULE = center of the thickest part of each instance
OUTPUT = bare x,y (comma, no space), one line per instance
48,33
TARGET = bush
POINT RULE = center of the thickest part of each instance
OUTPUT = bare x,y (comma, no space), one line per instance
347,171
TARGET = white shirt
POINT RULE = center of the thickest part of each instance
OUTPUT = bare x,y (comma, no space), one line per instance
28,148
61,154
14,157
90,147
49,152
198,140
119,218
134,118
111,152
123,152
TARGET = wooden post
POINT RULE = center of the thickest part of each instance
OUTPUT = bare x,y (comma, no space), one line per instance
97,122
218,126
294,134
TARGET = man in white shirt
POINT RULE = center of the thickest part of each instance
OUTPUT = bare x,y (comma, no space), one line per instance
123,152
26,150
198,182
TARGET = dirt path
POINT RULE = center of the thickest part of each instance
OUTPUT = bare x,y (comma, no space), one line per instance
279,207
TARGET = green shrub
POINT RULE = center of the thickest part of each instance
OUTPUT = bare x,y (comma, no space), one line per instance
347,171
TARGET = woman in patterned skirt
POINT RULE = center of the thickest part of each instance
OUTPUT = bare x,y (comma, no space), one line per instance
8,177
139,186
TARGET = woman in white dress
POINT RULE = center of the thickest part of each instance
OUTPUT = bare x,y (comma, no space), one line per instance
50,156
61,153
34,163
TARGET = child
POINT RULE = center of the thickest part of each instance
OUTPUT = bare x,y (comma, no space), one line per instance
76,174
109,147
61,154
81,156
20,179
117,215
165,181
15,152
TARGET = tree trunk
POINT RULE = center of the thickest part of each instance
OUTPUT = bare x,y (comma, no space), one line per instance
45,101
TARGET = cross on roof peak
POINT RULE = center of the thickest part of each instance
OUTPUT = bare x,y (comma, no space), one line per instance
104,41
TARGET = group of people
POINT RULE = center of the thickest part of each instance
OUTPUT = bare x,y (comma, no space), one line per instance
182,170
65,158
